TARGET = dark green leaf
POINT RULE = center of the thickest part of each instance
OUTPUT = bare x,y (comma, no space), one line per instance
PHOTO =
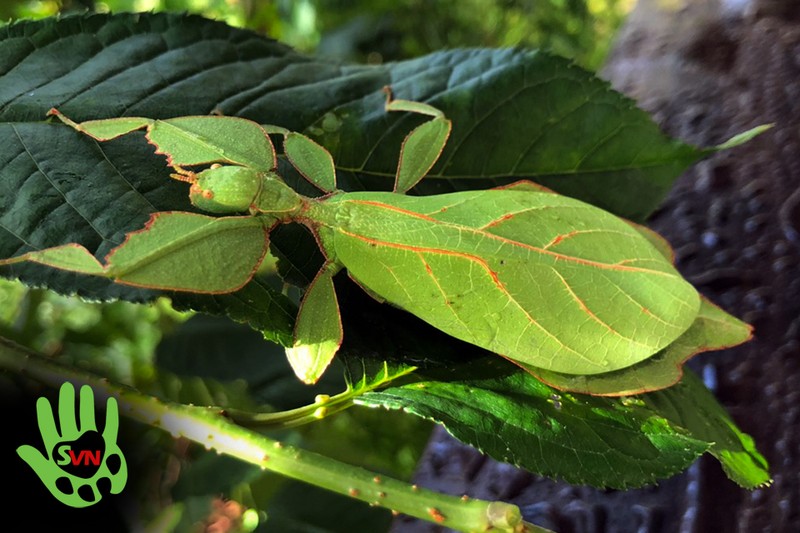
93,198
212,474
515,113
692,406
58,186
258,304
215,348
511,416
613,442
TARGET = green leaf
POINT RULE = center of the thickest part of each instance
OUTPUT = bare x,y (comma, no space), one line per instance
741,138
257,304
59,187
516,114
363,374
513,417
536,277
713,329
606,442
692,406
514,111
166,65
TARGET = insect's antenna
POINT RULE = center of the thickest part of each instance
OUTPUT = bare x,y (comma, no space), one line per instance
189,177
181,174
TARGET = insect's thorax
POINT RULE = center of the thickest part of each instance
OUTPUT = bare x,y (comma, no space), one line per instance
278,199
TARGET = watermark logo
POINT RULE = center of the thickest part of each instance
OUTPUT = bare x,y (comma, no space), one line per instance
81,465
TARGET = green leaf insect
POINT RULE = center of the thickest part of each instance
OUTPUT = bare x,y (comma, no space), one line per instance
541,279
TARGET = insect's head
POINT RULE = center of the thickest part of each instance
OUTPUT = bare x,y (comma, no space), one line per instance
225,189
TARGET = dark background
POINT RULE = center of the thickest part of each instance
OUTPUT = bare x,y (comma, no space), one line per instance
28,505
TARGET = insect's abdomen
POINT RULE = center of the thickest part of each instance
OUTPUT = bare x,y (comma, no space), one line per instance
536,277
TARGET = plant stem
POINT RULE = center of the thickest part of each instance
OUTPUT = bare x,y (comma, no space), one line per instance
322,407
208,428
290,418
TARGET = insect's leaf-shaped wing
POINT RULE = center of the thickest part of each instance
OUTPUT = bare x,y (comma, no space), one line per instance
318,330
174,251
713,329
540,278
311,160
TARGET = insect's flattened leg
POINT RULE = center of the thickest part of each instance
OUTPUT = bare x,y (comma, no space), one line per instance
420,150
205,139
104,130
275,130
524,185
318,330
312,161
410,106
164,254
69,257
422,147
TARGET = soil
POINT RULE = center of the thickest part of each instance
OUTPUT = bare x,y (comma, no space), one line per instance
705,70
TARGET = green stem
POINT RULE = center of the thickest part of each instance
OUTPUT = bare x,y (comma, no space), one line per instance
322,407
210,429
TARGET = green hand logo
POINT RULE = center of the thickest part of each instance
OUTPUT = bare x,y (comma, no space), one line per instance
81,465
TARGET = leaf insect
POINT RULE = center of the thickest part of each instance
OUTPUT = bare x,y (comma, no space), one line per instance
541,279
